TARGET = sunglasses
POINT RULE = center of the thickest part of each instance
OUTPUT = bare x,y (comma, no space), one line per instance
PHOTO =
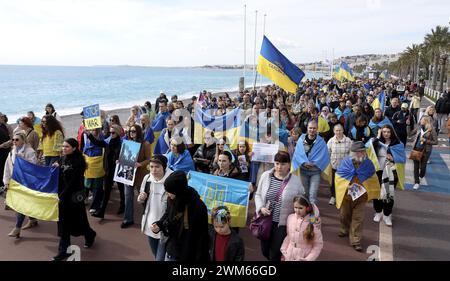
133,131
112,133
15,139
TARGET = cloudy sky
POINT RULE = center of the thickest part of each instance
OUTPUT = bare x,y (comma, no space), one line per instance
190,33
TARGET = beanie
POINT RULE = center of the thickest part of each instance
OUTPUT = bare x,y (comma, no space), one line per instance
176,183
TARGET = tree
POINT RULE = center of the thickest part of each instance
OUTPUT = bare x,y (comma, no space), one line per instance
439,43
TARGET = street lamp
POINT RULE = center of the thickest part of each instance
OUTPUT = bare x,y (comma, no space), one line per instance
418,67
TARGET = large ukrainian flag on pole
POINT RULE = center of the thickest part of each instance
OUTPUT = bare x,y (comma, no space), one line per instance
33,190
220,191
346,72
275,66
228,125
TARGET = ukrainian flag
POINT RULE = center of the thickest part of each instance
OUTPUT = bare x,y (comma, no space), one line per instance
337,75
33,190
399,156
346,72
318,156
366,175
221,191
251,133
275,66
379,101
157,126
228,125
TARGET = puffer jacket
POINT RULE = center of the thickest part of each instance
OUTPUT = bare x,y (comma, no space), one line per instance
295,247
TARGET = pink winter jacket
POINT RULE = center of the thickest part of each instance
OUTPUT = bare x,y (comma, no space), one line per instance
294,247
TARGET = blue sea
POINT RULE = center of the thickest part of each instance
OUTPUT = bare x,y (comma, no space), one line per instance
70,88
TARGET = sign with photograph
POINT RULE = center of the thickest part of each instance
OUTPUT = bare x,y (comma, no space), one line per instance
264,152
92,118
125,170
356,191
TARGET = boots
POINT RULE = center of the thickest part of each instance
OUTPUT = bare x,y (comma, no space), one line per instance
15,232
31,223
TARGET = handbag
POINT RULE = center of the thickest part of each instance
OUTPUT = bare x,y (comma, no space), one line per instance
261,226
416,155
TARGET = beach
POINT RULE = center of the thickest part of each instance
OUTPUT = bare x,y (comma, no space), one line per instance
72,122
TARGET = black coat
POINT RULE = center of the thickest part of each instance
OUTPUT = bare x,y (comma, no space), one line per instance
235,249
72,216
186,244
204,152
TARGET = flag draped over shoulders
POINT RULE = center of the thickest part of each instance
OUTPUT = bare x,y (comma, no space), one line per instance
399,155
366,176
181,162
33,190
318,156
375,126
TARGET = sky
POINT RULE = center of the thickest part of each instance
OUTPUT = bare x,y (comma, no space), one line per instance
195,33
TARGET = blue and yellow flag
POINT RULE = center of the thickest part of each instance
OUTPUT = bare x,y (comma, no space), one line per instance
275,66
399,156
157,126
33,190
379,101
318,155
366,174
346,72
372,155
378,125
228,125
337,75
220,191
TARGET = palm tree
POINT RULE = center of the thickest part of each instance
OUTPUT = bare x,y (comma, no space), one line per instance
439,43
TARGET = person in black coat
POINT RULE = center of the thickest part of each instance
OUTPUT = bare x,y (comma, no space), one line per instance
204,156
185,221
224,243
112,146
72,212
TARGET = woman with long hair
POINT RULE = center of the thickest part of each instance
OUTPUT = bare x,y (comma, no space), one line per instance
52,139
135,134
23,150
425,138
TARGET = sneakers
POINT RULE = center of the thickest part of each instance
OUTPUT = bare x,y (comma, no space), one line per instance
387,220
416,186
91,211
332,201
377,217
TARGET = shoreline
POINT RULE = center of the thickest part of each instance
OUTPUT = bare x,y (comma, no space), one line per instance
71,122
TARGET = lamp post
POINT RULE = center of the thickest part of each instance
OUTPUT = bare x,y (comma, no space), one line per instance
418,67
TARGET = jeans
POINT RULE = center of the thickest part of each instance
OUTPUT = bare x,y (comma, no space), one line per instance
107,193
96,186
158,248
49,160
311,180
129,207
441,121
19,220
420,167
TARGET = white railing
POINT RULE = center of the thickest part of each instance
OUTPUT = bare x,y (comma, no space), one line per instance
432,93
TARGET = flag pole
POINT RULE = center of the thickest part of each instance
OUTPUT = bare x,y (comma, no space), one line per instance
254,50
264,33
245,40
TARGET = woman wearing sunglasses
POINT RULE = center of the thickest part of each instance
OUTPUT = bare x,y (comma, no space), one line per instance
23,150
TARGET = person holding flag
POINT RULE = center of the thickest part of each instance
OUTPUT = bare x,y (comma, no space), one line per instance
356,184
311,159
23,150
391,158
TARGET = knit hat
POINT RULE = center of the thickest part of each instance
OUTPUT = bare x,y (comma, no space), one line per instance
159,159
357,146
176,183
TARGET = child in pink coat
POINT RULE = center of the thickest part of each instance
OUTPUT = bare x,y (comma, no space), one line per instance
304,237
